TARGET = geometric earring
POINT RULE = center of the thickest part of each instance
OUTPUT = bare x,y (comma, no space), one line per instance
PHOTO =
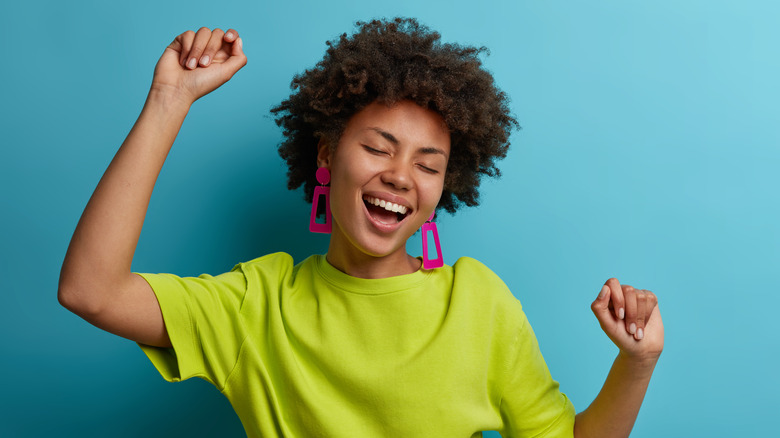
321,193
438,262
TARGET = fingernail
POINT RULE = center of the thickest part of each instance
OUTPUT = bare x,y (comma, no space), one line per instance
204,60
192,63
632,328
240,44
640,334
229,35
603,292
622,313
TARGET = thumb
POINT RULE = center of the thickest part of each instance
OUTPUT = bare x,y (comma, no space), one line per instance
600,306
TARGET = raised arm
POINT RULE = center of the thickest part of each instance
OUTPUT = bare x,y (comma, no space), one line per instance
631,318
96,281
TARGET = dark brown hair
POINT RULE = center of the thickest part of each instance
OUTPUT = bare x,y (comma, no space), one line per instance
389,61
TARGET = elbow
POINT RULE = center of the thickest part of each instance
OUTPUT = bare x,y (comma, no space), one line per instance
77,300
66,298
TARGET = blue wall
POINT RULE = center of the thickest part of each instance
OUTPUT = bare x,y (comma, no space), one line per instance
649,151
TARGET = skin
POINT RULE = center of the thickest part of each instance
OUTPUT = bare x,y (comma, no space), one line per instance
96,282
397,152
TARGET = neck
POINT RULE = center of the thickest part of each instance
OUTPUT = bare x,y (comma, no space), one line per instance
351,261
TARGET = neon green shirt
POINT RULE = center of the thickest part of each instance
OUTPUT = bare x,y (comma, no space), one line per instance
308,351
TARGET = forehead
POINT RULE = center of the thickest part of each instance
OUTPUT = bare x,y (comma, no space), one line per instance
404,123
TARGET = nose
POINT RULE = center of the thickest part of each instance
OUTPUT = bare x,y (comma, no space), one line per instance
398,175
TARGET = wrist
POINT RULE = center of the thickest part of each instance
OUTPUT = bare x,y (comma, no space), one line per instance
639,363
162,116
171,98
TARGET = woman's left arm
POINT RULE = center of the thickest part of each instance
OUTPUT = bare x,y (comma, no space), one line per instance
631,318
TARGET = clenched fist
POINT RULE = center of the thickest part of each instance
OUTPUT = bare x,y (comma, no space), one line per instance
197,63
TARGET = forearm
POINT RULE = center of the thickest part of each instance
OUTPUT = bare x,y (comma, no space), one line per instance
614,410
101,250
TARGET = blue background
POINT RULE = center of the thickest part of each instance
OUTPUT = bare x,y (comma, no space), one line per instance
649,152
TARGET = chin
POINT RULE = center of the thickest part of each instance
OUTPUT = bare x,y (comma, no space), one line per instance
375,247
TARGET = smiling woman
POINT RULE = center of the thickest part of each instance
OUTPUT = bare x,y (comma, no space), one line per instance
387,62
396,155
365,340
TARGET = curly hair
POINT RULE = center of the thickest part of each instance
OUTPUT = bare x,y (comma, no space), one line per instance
388,61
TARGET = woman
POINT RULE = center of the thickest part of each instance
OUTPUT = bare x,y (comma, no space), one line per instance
366,340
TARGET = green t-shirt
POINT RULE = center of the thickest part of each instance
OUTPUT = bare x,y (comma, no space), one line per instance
308,351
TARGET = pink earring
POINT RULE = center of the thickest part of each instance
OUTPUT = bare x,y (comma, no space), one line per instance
438,262
323,177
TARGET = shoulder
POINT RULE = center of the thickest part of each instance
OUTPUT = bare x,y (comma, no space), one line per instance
494,314
269,260
472,266
279,264
472,271
475,282
278,269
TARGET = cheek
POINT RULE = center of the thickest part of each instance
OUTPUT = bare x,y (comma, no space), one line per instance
345,189
338,195
432,193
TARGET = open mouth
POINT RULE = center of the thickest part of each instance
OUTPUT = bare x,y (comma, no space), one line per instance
384,211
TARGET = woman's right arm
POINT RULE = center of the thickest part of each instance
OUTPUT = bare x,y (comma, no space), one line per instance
96,281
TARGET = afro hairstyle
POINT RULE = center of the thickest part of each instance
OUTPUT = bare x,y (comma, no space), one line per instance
387,61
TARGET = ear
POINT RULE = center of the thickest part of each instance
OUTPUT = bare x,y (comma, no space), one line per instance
323,153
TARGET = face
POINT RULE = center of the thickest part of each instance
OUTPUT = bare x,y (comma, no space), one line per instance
387,175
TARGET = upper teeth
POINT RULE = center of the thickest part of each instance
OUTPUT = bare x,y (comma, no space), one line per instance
389,206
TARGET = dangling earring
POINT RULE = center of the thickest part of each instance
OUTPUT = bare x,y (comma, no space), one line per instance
323,177
438,262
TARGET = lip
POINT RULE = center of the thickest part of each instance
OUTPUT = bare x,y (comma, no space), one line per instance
383,227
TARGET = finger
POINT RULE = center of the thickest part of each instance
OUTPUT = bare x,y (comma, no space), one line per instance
185,40
214,44
237,58
231,35
229,41
641,314
652,302
630,295
198,45
651,305
600,306
618,301
652,310
176,44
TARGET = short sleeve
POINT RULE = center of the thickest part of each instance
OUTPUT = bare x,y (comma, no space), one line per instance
202,318
532,404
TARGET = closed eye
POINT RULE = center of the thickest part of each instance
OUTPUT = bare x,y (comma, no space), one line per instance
428,169
374,151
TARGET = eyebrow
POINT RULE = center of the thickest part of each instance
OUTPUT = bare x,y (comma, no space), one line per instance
391,138
388,136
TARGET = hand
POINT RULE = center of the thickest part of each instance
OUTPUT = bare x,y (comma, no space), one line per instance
631,318
195,64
